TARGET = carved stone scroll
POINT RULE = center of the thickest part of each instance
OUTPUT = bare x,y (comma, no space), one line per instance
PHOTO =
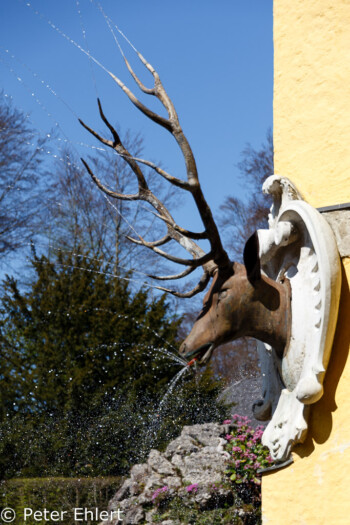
299,245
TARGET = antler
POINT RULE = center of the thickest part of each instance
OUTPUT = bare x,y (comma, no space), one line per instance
217,256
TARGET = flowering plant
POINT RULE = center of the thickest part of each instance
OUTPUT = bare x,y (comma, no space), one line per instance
247,453
156,496
192,488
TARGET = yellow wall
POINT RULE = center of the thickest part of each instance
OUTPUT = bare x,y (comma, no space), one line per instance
315,490
312,97
312,148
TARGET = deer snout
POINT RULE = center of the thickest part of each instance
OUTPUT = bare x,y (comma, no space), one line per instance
193,349
182,350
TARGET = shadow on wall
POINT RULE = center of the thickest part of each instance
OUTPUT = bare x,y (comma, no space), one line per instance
321,420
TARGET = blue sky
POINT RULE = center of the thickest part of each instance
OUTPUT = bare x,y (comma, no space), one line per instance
215,60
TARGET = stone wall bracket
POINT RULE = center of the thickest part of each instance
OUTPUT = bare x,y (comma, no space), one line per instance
300,246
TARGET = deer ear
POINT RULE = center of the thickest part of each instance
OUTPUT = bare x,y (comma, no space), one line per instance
251,258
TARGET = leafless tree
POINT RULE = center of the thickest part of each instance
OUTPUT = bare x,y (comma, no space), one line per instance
83,220
20,168
241,217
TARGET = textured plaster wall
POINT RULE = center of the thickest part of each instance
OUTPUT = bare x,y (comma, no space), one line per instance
312,148
312,97
315,490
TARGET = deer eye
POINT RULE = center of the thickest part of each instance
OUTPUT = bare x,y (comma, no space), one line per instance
222,294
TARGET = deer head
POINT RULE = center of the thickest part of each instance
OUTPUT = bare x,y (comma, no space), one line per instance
238,305
241,300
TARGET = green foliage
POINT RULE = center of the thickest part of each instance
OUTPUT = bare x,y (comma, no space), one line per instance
228,509
248,454
57,494
83,371
193,514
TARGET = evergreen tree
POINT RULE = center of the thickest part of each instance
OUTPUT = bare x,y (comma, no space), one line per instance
83,370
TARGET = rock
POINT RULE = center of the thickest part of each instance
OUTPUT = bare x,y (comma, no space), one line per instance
124,491
197,457
134,515
152,483
208,499
180,445
204,467
149,515
173,482
207,435
244,393
139,472
158,463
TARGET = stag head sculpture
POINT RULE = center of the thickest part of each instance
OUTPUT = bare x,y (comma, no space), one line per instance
285,294
241,301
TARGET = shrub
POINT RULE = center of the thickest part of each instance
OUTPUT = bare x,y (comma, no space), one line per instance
247,453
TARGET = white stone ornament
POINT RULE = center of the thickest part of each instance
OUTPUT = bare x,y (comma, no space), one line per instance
299,245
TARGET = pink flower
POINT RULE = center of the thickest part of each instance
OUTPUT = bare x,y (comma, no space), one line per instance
159,491
228,437
227,421
192,488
